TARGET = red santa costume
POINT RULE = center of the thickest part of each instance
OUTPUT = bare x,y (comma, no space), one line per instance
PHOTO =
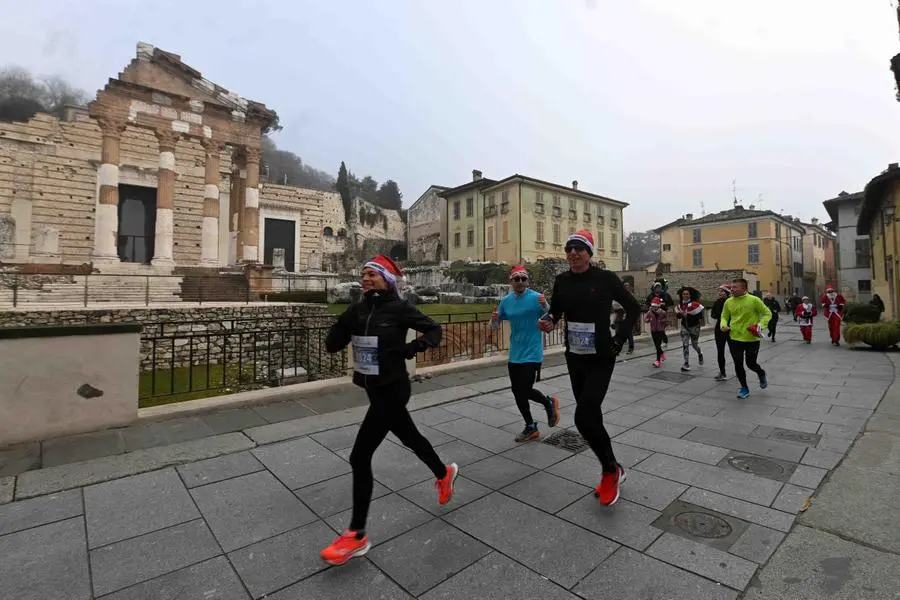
833,309
805,312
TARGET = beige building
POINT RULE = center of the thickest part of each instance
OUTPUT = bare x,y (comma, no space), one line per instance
523,219
817,243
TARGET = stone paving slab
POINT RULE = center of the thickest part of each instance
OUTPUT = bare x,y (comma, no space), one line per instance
7,488
64,477
273,507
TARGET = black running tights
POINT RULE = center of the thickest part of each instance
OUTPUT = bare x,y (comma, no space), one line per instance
721,344
522,377
387,413
750,350
590,375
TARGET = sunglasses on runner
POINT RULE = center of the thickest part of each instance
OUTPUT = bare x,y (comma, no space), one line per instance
519,278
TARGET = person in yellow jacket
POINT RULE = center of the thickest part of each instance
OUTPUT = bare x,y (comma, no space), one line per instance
744,316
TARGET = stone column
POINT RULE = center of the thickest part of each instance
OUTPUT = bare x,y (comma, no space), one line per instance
106,211
209,233
236,201
249,234
165,200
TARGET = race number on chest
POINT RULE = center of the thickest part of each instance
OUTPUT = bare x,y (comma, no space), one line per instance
365,354
582,338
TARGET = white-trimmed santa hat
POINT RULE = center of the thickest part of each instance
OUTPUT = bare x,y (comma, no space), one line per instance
385,267
584,238
518,270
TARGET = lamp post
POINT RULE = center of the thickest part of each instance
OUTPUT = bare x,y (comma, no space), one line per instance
888,221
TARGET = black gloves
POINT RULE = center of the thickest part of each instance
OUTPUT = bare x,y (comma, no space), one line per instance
616,346
410,350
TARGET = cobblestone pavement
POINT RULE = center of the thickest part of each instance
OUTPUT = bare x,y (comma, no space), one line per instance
714,486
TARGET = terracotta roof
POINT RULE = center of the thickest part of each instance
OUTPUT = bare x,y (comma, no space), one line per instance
562,188
874,194
733,214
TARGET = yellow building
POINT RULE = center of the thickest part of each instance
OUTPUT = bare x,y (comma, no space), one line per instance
817,242
758,241
878,220
523,219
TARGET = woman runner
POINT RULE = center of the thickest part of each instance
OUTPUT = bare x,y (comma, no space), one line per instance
377,328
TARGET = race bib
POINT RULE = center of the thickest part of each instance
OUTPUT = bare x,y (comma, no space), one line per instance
365,354
582,338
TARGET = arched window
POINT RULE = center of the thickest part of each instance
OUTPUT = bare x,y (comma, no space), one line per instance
328,232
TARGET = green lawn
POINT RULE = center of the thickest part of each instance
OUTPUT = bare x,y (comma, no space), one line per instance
442,313
185,384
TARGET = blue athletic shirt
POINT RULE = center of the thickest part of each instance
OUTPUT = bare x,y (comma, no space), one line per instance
523,311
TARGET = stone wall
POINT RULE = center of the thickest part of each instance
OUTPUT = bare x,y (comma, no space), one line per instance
426,243
707,282
48,184
271,337
308,207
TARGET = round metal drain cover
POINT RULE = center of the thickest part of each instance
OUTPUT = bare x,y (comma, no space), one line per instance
702,524
795,436
756,465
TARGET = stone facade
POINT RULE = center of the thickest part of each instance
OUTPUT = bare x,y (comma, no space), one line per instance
159,126
427,227
707,282
262,338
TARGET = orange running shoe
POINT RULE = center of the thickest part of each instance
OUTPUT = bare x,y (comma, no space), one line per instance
553,412
345,547
608,490
445,486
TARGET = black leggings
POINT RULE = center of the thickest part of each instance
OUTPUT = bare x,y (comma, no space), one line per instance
590,375
522,377
657,337
722,341
751,350
773,325
387,413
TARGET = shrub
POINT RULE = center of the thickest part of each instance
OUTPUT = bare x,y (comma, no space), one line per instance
861,313
878,335
316,296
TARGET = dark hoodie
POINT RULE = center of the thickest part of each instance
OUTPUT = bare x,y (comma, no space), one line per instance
387,318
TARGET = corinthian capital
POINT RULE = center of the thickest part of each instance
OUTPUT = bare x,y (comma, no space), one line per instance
252,155
111,126
167,140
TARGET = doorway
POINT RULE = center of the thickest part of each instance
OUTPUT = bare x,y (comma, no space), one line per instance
279,233
137,223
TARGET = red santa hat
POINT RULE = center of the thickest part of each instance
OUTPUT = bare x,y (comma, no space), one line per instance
385,267
804,298
656,303
725,287
829,290
583,239
518,270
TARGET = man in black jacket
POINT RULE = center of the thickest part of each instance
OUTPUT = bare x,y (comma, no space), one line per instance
377,328
584,295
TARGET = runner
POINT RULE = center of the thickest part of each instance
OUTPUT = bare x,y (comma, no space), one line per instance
523,308
689,311
584,295
833,309
377,328
775,308
658,290
656,317
721,336
804,314
743,317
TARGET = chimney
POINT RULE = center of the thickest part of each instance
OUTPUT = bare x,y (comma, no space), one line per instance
476,175
689,217
752,207
815,221
574,184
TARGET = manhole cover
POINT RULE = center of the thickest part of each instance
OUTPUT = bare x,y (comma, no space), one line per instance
795,436
702,524
675,377
756,465
567,440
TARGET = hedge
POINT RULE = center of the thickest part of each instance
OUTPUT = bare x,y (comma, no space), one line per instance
880,335
856,312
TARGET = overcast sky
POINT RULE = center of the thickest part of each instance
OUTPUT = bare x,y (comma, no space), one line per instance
658,103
